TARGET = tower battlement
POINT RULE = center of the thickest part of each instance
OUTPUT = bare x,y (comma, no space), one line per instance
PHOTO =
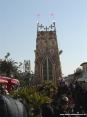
41,27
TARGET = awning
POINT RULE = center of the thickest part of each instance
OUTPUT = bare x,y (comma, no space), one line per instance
3,81
15,81
10,80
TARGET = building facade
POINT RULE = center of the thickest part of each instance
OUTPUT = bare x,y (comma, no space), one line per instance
47,60
84,69
27,66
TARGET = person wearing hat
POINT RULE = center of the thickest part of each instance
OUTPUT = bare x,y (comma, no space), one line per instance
63,107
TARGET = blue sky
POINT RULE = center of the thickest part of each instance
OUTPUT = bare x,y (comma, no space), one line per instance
18,23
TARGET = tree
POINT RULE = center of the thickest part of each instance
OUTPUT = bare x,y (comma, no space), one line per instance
9,67
7,55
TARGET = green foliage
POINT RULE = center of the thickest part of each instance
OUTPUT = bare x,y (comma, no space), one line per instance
48,88
34,98
9,67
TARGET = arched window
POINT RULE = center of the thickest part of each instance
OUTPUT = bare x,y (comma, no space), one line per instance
47,70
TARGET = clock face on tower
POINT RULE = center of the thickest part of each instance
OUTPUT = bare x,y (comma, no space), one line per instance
52,43
51,51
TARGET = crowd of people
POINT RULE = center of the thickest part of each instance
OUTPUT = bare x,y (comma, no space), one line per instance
69,100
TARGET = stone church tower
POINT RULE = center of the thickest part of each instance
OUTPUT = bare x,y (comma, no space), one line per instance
47,60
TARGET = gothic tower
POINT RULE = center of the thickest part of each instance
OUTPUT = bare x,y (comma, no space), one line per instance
47,60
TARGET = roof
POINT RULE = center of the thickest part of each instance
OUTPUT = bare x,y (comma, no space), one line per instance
83,63
83,79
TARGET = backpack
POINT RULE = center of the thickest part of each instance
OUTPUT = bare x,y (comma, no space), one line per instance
10,107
